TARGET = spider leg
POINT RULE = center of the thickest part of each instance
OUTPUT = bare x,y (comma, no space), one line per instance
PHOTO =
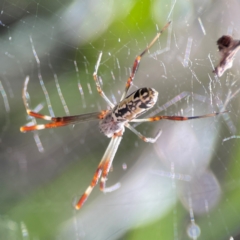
56,121
61,121
175,118
96,79
108,156
145,139
108,162
138,59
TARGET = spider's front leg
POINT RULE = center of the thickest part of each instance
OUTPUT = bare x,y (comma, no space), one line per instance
56,121
61,121
108,162
103,168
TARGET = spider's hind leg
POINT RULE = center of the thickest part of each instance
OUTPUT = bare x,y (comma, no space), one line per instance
145,139
138,59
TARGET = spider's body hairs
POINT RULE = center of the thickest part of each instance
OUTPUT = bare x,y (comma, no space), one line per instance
112,122
228,47
129,108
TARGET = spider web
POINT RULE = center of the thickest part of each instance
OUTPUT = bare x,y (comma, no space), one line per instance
185,186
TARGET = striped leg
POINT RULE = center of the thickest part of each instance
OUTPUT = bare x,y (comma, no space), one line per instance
56,121
138,59
145,139
175,118
99,89
61,121
108,162
107,155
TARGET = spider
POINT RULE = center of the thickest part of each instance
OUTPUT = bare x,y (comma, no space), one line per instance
112,122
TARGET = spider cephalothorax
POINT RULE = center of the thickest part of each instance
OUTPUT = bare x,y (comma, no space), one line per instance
129,108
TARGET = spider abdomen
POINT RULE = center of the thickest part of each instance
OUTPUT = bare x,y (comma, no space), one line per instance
129,108
136,104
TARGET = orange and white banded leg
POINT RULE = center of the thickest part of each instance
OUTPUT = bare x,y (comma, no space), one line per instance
99,89
138,59
94,182
56,121
145,139
61,121
175,118
108,162
96,176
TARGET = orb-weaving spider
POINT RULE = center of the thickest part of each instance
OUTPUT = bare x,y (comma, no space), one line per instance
112,122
